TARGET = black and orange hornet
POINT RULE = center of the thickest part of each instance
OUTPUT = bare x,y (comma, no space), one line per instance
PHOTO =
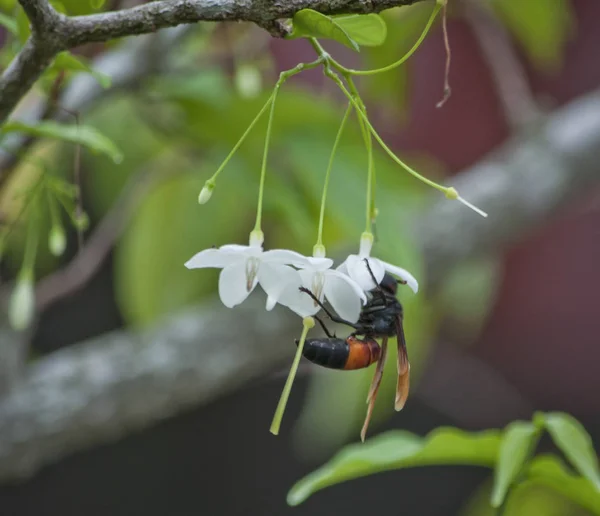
381,317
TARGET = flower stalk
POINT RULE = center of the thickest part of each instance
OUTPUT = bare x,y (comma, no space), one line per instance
307,324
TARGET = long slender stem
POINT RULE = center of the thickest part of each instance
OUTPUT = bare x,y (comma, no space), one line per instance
328,173
263,169
243,137
390,153
366,134
308,323
400,61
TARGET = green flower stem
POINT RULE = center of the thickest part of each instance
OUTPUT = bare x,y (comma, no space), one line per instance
390,153
342,69
283,76
212,180
371,181
263,170
308,323
328,173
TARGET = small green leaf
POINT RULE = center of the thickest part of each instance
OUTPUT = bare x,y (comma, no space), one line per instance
97,4
550,471
312,24
9,23
517,443
369,30
67,61
400,449
81,134
573,440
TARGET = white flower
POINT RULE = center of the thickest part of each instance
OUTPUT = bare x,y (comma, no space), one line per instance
356,268
245,266
343,294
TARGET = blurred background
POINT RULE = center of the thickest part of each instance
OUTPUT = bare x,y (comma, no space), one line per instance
135,392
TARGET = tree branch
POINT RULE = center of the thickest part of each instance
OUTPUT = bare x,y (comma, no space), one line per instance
118,383
54,32
41,14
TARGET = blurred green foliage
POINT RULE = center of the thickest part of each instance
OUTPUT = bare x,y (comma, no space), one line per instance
509,452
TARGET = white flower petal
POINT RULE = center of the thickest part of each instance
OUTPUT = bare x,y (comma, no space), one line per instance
343,267
358,271
284,257
298,301
274,278
344,295
213,258
318,263
232,284
344,277
236,248
403,274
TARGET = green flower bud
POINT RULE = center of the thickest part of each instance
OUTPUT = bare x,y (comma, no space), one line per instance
57,240
22,303
206,192
81,221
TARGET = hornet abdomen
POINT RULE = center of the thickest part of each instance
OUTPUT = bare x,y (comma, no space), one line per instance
351,353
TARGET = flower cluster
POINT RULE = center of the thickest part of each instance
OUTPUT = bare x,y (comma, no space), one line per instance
281,273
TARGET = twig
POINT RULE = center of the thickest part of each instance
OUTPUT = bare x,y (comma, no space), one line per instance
54,32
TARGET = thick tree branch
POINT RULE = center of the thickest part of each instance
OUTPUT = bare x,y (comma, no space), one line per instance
121,382
54,32
41,14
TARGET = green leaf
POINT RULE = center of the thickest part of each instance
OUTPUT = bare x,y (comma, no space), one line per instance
169,227
573,440
397,450
9,23
67,61
97,4
80,134
550,471
312,24
369,30
518,441
542,27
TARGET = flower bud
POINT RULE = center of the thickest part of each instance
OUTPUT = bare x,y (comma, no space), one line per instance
206,192
57,240
319,251
257,238
81,221
22,303
248,81
366,243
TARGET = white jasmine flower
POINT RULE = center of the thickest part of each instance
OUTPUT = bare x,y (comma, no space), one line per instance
343,294
356,268
246,266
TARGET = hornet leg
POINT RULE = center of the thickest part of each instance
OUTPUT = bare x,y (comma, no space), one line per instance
374,388
333,317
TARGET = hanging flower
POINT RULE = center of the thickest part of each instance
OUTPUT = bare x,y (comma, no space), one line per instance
356,268
246,266
343,294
